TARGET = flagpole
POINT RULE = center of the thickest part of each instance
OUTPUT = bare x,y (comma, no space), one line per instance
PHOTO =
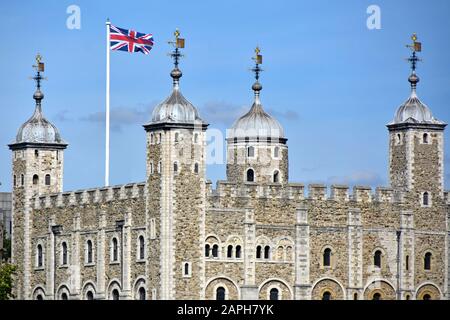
107,104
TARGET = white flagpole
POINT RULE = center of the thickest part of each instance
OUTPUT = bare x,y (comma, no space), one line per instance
107,104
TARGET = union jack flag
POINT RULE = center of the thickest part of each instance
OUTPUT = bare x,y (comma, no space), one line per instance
130,40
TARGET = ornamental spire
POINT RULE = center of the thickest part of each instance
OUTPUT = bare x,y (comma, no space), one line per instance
257,87
38,95
413,59
176,55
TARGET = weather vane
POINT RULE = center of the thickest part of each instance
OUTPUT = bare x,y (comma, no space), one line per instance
415,47
39,66
258,60
178,44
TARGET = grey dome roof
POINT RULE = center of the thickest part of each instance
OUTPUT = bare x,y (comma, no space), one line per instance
256,123
38,129
176,108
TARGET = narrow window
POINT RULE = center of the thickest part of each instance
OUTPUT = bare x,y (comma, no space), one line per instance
114,250
377,259
141,248
151,167
64,296
39,255
141,293
250,152
186,269
177,136
196,168
376,296
230,251
89,251
276,176
152,228
215,251
407,263
266,252
207,249
196,138
57,154
115,294
15,180
175,167
35,179
159,167
326,295
152,139
355,296
276,152
89,295
220,293
64,253
36,153
399,138
258,252
250,175
425,138
47,179
22,180
238,251
426,199
408,297
274,294
327,257
159,138
427,261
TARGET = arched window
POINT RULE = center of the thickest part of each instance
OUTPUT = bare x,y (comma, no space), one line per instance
215,251
376,296
57,155
89,295
15,180
159,138
327,257
426,199
141,247
250,175
114,254
426,297
250,152
355,296
408,297
151,167
377,259
207,249
47,179
425,138
230,251
326,295
238,251
427,261
22,180
276,176
220,293
64,296
141,293
89,251
196,168
64,253
407,263
39,297
115,294
186,269
196,138
274,294
39,256
36,153
276,152
258,252
35,179
175,167
177,136
152,138
266,252
159,167
399,138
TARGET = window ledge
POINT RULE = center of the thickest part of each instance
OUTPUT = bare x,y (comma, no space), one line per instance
39,268
114,263
65,266
90,264
140,260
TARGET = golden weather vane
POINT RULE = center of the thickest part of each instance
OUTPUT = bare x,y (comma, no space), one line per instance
258,57
415,47
39,66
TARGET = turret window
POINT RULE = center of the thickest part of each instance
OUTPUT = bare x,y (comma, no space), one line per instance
407,263
151,167
22,180
159,167
47,179
377,259
88,256
207,250
267,252
426,199
276,152
251,152
425,138
187,270
64,253
398,139
250,175
177,137
215,251
15,180
39,256
258,252
196,168
276,176
327,257
114,250
175,167
152,138
427,261
195,137
35,179
238,252
141,248
230,251
36,153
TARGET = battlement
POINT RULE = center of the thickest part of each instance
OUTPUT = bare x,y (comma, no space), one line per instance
340,193
90,196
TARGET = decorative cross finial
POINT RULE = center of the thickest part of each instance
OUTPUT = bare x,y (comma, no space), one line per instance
178,44
415,47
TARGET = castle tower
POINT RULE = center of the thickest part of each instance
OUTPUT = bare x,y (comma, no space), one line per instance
176,194
256,146
416,145
37,163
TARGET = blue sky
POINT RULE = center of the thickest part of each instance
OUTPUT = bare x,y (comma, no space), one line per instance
332,83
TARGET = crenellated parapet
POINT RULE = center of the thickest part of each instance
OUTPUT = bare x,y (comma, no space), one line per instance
91,196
